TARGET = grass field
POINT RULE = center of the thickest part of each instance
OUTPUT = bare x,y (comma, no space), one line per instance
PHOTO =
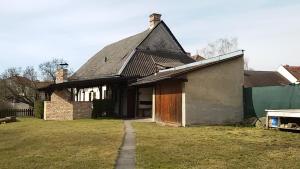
33,143
215,147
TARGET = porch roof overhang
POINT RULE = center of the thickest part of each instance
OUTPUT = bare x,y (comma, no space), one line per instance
87,83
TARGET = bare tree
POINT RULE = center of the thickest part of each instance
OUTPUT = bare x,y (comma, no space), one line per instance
21,85
19,88
246,64
219,47
30,73
49,68
3,103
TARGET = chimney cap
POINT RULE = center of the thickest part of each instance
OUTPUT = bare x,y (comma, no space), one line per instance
155,14
63,65
154,19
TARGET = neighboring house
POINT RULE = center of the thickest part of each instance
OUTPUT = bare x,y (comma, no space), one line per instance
119,72
263,78
292,73
267,90
197,57
20,92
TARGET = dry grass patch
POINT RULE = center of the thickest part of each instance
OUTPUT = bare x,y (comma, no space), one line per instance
215,147
33,143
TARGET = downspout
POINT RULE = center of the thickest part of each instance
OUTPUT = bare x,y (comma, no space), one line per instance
153,104
183,118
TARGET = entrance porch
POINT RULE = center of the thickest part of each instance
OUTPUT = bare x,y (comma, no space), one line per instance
79,99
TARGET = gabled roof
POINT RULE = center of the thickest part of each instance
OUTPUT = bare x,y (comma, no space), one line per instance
176,72
145,62
115,54
263,78
114,57
294,70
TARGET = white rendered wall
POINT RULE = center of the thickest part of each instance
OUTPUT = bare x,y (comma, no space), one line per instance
83,94
287,74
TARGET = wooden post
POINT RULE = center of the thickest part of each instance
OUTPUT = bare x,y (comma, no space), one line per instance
72,94
100,92
77,91
137,102
121,101
106,96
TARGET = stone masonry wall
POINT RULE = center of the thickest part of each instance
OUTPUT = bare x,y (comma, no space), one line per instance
82,110
61,108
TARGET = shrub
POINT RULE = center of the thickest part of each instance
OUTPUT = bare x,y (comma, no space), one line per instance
4,105
102,108
39,109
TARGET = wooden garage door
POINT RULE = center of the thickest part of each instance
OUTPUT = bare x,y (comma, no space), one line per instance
168,102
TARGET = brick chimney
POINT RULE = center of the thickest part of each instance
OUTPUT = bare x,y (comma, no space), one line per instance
154,20
61,75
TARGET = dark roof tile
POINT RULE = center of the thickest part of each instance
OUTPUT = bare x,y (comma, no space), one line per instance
110,59
144,63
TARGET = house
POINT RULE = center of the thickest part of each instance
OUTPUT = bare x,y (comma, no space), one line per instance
284,75
197,57
137,72
107,74
292,73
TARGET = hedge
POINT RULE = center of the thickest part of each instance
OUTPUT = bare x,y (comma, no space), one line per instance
39,109
102,108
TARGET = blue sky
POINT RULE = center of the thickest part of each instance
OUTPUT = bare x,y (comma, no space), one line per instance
34,31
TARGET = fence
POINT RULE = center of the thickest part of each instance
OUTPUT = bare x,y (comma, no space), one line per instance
16,112
257,99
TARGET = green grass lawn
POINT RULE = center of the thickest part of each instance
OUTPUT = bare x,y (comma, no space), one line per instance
32,143
215,147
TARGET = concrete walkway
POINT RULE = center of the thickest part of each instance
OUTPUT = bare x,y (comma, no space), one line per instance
126,158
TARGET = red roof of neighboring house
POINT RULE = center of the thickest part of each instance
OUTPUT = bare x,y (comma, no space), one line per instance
197,57
294,70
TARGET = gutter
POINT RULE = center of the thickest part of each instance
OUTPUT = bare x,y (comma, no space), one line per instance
207,61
